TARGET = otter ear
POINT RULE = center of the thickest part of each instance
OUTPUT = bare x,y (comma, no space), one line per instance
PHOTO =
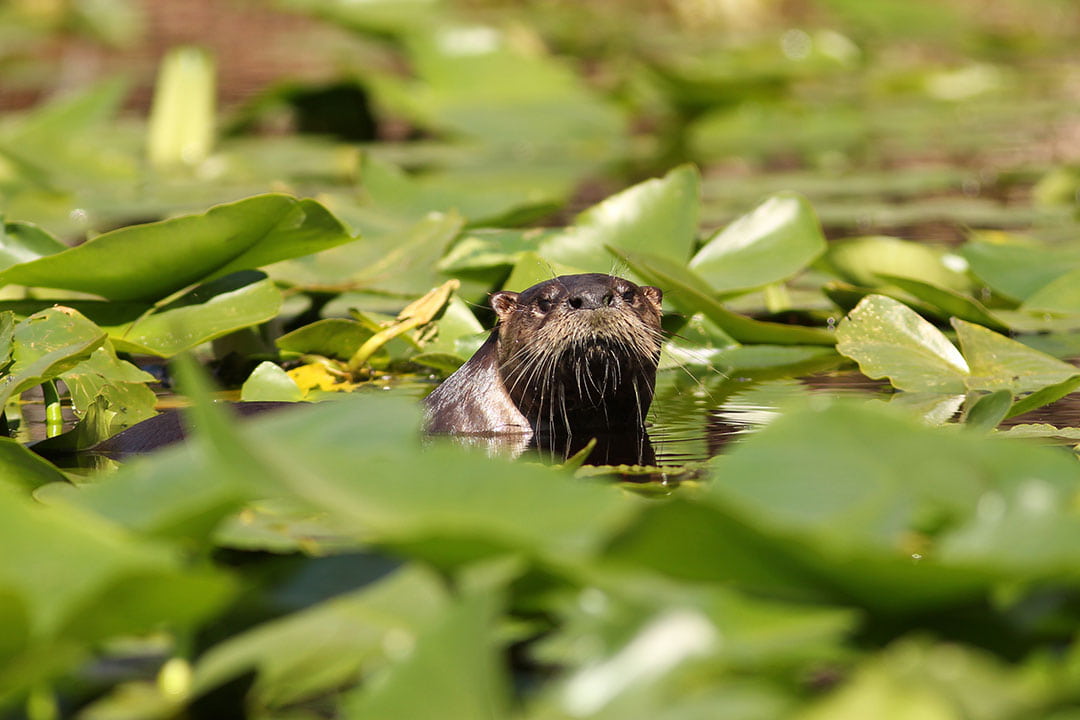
504,303
653,294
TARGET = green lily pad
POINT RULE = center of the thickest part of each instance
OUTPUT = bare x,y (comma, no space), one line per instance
689,292
331,337
45,345
658,216
23,470
108,395
112,584
989,410
207,312
853,480
889,339
531,269
997,362
771,243
399,261
1017,270
22,242
1061,295
1045,396
269,382
861,260
949,302
483,249
237,236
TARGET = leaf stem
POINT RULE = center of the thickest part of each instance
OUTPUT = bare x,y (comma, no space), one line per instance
54,415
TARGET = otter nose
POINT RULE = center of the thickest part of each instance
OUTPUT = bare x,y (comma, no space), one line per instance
591,298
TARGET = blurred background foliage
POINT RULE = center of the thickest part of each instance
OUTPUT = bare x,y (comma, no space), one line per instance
889,114
847,561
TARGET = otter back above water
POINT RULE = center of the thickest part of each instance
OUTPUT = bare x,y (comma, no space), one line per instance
570,355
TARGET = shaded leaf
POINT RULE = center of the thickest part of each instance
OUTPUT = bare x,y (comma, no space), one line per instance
860,261
22,242
474,686
45,345
328,645
949,302
332,337
207,312
1060,295
1045,396
996,361
1018,270
22,469
687,291
989,410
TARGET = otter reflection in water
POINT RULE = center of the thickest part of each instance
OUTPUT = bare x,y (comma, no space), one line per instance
571,358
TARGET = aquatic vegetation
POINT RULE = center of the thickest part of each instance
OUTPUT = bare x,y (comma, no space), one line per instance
912,551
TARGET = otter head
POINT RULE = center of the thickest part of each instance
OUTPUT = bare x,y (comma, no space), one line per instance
578,353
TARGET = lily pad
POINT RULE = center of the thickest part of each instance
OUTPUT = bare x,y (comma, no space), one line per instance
860,260
1061,295
269,382
997,362
658,216
949,302
689,292
1017,270
45,345
769,244
22,242
209,311
246,234
889,339
23,469
331,337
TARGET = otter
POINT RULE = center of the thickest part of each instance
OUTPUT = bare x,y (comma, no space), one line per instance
573,355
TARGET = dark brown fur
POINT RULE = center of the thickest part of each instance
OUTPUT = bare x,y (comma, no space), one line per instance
574,354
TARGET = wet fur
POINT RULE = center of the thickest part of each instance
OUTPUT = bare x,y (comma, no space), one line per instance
570,355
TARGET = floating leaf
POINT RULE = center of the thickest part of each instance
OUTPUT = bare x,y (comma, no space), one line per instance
236,236
771,243
860,261
45,345
269,382
949,302
989,410
1045,396
687,291
889,339
474,687
331,337
22,242
854,480
1060,295
1018,270
658,216
323,647
207,312
22,469
398,261
996,362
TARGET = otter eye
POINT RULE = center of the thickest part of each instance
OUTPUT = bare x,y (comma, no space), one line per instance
628,296
543,305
